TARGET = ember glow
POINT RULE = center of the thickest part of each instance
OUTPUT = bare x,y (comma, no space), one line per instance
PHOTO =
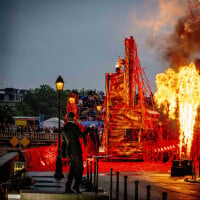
180,91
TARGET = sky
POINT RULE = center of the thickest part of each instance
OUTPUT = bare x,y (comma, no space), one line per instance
80,39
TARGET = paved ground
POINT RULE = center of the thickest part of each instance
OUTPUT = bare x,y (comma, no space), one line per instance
47,187
176,187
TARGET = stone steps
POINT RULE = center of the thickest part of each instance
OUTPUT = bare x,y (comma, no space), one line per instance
45,196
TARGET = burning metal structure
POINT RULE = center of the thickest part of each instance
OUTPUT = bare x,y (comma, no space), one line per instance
133,129
130,121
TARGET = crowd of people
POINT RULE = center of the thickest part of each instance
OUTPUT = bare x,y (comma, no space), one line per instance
87,110
10,127
87,106
7,127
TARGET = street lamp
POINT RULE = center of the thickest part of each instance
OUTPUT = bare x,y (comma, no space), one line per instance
58,172
71,100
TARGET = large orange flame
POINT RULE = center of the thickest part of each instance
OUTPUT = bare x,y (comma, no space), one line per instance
180,91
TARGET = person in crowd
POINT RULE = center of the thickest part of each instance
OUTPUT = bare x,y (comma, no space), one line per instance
71,134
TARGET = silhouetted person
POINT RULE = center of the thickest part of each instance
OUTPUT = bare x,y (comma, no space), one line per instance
71,134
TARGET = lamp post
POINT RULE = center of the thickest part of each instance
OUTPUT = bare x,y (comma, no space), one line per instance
58,172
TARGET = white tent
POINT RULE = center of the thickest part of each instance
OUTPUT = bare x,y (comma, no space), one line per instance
52,122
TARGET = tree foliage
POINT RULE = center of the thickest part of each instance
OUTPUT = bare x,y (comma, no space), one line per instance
42,100
6,113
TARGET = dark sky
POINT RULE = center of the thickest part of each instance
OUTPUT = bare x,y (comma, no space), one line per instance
77,39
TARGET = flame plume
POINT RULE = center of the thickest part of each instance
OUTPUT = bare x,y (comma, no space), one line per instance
180,91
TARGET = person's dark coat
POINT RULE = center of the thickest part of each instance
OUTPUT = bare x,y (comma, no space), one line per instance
71,134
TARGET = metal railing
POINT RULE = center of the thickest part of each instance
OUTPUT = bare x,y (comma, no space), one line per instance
32,139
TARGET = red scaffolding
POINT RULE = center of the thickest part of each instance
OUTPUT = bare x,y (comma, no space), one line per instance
131,121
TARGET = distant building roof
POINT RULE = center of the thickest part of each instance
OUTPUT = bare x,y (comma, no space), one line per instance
26,117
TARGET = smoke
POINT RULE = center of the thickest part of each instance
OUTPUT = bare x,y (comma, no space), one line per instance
197,63
180,46
169,11
183,43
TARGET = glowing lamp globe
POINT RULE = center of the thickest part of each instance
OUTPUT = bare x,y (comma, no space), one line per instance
71,100
59,83
98,108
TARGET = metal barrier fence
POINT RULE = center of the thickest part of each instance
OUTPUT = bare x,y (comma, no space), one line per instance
33,137
12,141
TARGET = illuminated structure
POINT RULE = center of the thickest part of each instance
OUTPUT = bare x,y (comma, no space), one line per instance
71,105
130,119
132,129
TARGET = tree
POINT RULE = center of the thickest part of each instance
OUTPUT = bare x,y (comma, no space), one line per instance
44,100
22,109
6,113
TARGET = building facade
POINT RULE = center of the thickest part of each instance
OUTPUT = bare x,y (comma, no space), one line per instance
10,96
